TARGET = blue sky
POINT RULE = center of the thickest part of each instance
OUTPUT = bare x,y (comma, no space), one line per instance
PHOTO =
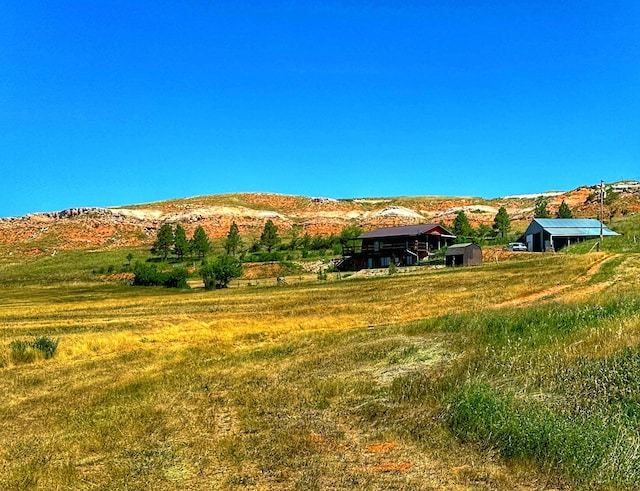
106,103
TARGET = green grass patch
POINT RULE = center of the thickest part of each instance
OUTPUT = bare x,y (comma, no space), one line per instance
592,451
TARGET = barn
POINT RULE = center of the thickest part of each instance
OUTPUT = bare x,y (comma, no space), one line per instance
463,255
544,234
403,246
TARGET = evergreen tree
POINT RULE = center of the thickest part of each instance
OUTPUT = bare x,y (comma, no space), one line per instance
232,242
200,242
269,238
164,241
540,210
180,244
295,237
502,222
461,226
564,211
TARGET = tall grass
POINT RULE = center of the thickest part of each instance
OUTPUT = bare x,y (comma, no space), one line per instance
592,451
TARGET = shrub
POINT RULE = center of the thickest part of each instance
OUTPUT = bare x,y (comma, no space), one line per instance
219,273
25,352
21,352
176,278
148,275
47,346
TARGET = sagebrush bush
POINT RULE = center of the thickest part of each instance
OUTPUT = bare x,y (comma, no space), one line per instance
25,352
21,351
46,346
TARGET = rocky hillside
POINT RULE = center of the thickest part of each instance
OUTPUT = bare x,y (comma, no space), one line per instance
105,228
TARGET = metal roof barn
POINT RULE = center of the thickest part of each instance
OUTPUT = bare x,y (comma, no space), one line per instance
555,233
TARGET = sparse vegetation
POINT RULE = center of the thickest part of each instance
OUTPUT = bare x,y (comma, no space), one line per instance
21,351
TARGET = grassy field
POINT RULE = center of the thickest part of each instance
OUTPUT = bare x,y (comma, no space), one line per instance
517,375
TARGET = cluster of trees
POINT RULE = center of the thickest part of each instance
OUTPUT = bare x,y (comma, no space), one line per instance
215,274
500,228
270,246
541,209
170,242
218,272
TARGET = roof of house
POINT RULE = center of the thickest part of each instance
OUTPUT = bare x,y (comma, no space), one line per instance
407,230
570,227
459,248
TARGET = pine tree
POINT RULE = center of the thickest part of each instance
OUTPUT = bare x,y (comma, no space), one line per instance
269,238
461,226
200,242
564,211
164,241
540,210
232,242
181,244
502,222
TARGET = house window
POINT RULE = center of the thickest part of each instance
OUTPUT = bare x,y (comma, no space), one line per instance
409,260
385,261
376,245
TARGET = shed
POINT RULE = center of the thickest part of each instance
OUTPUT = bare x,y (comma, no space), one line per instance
555,233
463,255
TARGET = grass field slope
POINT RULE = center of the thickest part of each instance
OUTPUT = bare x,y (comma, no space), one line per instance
517,374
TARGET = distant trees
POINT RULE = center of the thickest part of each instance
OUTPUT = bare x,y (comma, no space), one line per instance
233,241
199,243
180,242
164,241
541,210
167,242
564,211
461,226
502,222
269,238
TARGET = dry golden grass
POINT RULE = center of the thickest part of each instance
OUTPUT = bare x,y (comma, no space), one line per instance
253,387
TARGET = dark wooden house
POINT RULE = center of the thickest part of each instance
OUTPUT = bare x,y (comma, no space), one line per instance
403,246
463,255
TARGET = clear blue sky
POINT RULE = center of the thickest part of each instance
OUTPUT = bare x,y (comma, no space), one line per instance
116,102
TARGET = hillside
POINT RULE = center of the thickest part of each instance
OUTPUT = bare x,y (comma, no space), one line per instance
134,225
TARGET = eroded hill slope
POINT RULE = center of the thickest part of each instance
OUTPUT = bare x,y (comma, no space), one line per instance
100,228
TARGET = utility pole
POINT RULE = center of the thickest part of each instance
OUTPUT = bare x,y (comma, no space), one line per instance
601,207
